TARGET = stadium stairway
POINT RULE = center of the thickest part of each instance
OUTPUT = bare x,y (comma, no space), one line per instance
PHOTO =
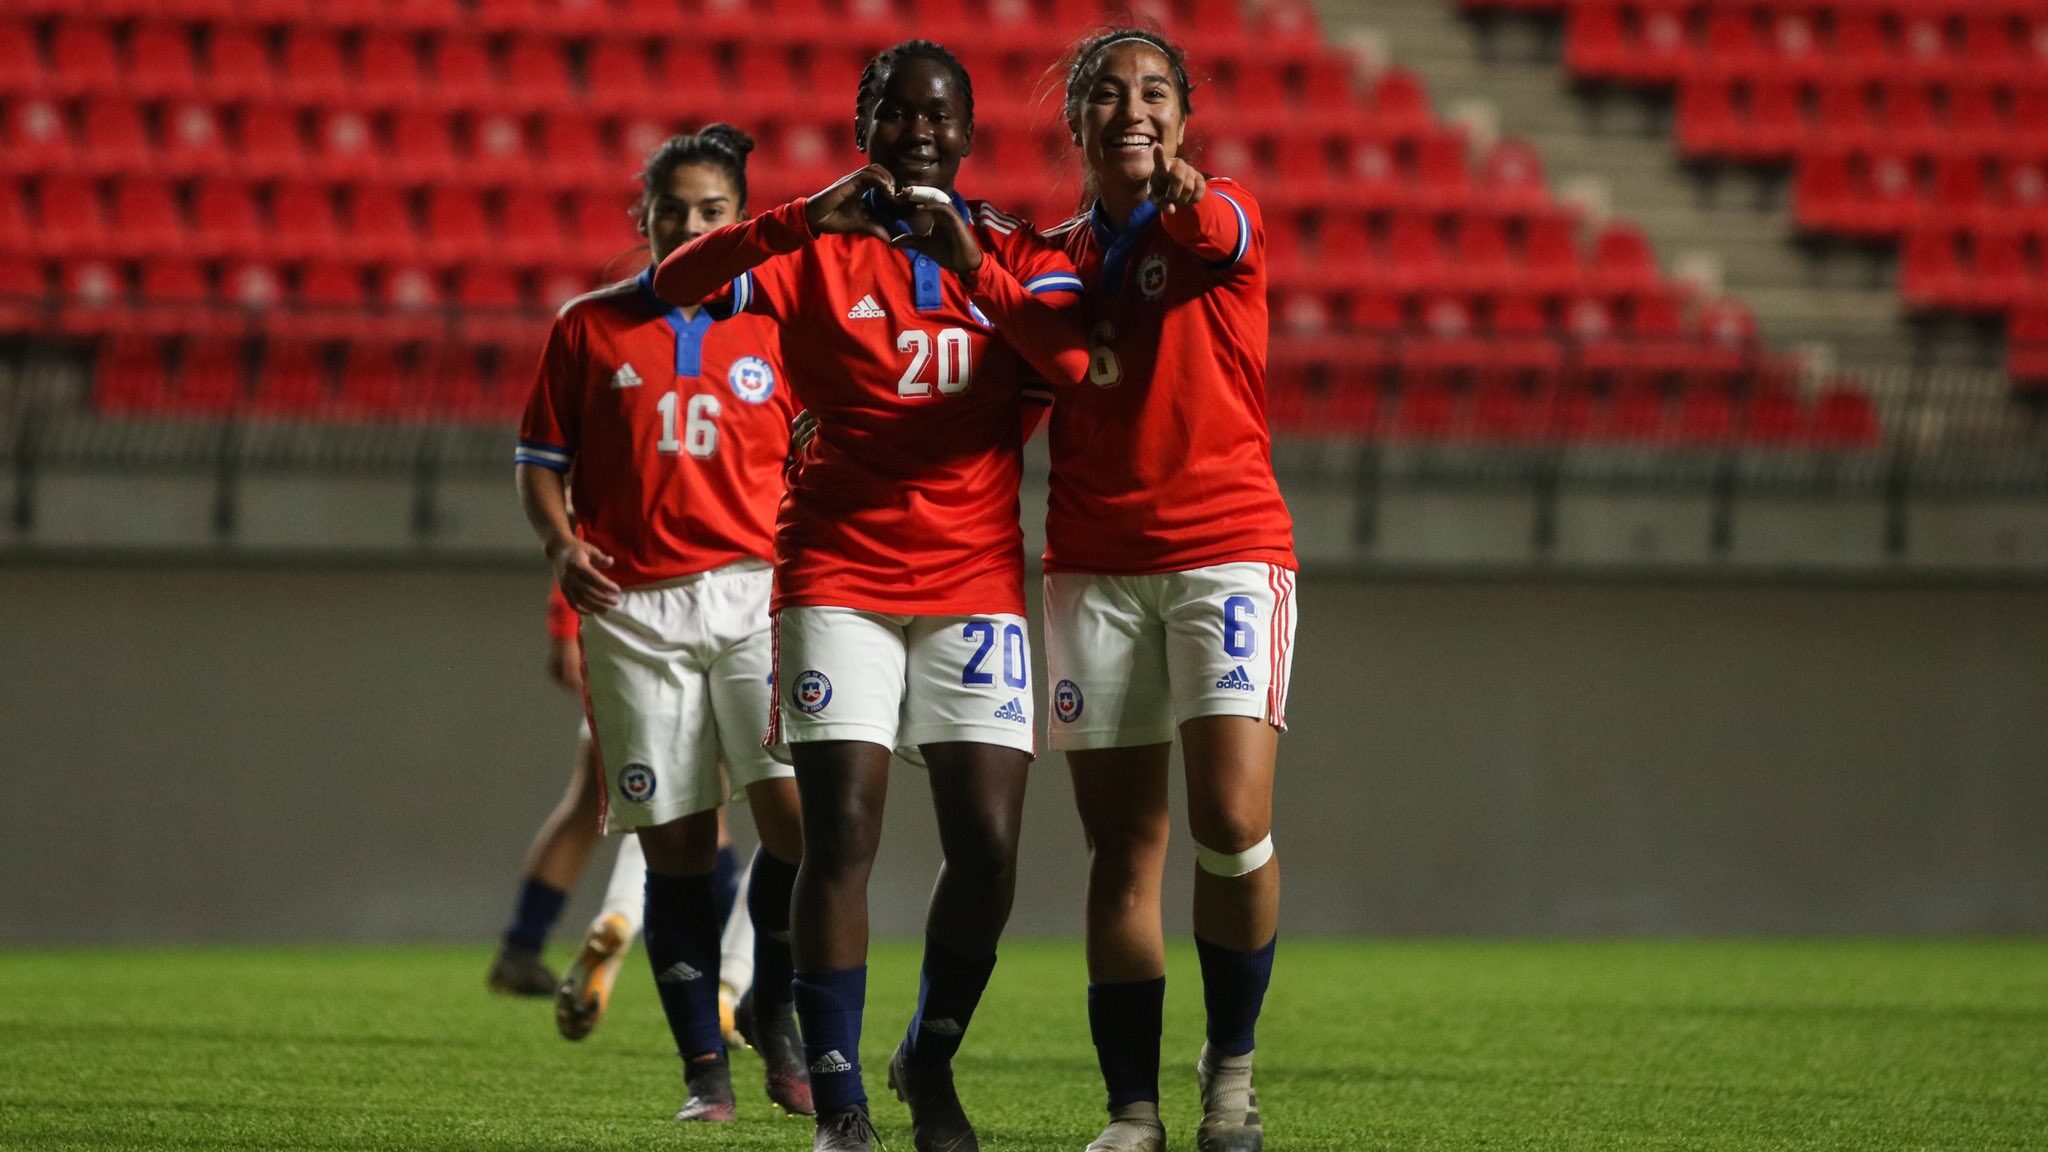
1623,140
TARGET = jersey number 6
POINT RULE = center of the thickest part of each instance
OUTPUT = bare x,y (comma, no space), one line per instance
956,366
700,433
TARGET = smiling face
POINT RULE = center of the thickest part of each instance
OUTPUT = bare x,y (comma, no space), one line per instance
919,129
1128,102
698,198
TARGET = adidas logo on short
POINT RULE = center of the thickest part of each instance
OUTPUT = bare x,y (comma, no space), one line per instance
867,309
1013,711
625,377
943,1027
831,1061
679,973
1237,681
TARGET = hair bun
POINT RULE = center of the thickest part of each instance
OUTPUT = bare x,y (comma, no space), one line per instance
728,136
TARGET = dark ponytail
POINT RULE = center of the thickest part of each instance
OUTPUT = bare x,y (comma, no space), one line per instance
720,144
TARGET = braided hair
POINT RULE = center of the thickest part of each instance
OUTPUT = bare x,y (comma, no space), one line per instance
720,145
875,77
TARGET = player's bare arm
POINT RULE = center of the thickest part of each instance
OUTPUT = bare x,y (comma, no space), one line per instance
579,567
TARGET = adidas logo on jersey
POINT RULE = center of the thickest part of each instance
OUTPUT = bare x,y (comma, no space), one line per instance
943,1027
831,1061
625,377
679,973
867,309
1237,681
1013,711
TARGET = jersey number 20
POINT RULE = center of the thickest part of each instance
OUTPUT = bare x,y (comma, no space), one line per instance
700,430
955,368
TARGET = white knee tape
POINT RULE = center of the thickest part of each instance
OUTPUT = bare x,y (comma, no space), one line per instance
1234,863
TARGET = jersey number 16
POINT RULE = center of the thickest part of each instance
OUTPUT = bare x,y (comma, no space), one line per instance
700,430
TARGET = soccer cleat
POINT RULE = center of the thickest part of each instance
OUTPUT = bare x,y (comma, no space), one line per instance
516,972
710,1086
1135,1127
847,1130
1230,1106
775,1036
937,1122
586,988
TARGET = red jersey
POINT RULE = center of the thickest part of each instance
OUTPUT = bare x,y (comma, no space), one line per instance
906,501
673,431
1161,461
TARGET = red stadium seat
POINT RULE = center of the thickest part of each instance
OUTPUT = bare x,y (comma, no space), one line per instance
390,62
451,382
1635,412
147,218
1906,117
1931,271
531,231
1551,253
1774,417
238,65
458,229
212,377
160,62
1400,102
1706,415
423,147
493,308
1973,120
375,382
193,144
1512,181
1623,262
254,287
292,380
411,299
603,230
330,303
348,148
83,52
1443,178
227,222
16,233
1483,260
542,71
271,143
1596,40
618,79
314,70
21,62
689,73
95,298
380,224
39,140
1860,47
114,137
463,76
652,17
1844,418
302,222
1775,126
1733,46
1427,409
69,217
23,289
2001,275
428,15
1843,118
176,298
497,149
572,149
131,376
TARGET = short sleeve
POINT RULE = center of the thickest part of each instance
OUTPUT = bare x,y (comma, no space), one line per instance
548,429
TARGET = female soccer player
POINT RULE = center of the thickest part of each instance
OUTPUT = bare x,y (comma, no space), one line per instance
1169,583
672,431
899,580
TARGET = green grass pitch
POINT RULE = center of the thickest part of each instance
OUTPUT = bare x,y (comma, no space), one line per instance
1491,1045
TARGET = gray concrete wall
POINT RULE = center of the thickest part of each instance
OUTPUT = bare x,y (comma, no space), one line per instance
282,752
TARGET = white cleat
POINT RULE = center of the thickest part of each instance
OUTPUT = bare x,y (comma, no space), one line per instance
1132,1128
1230,1106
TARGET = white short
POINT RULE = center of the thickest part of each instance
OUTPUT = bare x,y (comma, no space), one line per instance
1130,657
676,680
901,681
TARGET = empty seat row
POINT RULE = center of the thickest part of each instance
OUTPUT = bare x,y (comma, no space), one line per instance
1881,195
1413,253
1940,270
1425,407
137,375
1661,43
1770,120
327,298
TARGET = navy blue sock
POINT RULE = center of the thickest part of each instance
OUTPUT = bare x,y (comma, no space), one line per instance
1233,989
828,1006
1125,1020
948,988
725,880
682,930
534,916
768,903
